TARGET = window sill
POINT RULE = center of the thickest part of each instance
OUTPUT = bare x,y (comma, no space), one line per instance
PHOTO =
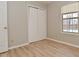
70,33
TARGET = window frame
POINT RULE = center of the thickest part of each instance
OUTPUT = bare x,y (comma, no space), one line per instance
70,18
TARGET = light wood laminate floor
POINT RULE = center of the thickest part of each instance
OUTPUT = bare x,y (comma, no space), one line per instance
43,48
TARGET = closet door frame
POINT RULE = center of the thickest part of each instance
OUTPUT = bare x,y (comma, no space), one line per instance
35,6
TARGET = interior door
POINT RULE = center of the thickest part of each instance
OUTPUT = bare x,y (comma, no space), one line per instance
36,24
32,24
42,24
3,27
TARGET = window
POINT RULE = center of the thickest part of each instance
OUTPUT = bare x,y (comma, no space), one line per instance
70,22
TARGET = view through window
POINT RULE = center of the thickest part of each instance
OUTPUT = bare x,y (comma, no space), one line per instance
70,22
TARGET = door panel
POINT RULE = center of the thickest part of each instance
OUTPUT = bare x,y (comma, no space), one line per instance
3,27
32,25
42,29
3,41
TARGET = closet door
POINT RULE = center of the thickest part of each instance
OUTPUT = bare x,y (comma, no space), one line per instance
36,24
42,24
32,24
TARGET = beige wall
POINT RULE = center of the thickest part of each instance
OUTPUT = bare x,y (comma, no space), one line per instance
55,25
17,22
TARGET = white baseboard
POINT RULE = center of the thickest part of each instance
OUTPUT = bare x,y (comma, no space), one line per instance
21,45
70,44
18,46
37,40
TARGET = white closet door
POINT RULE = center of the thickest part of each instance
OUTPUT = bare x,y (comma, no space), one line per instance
3,27
32,24
36,24
42,24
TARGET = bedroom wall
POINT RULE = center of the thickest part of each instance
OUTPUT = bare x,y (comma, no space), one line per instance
55,25
17,22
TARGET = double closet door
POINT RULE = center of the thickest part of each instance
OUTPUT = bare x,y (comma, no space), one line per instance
36,24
